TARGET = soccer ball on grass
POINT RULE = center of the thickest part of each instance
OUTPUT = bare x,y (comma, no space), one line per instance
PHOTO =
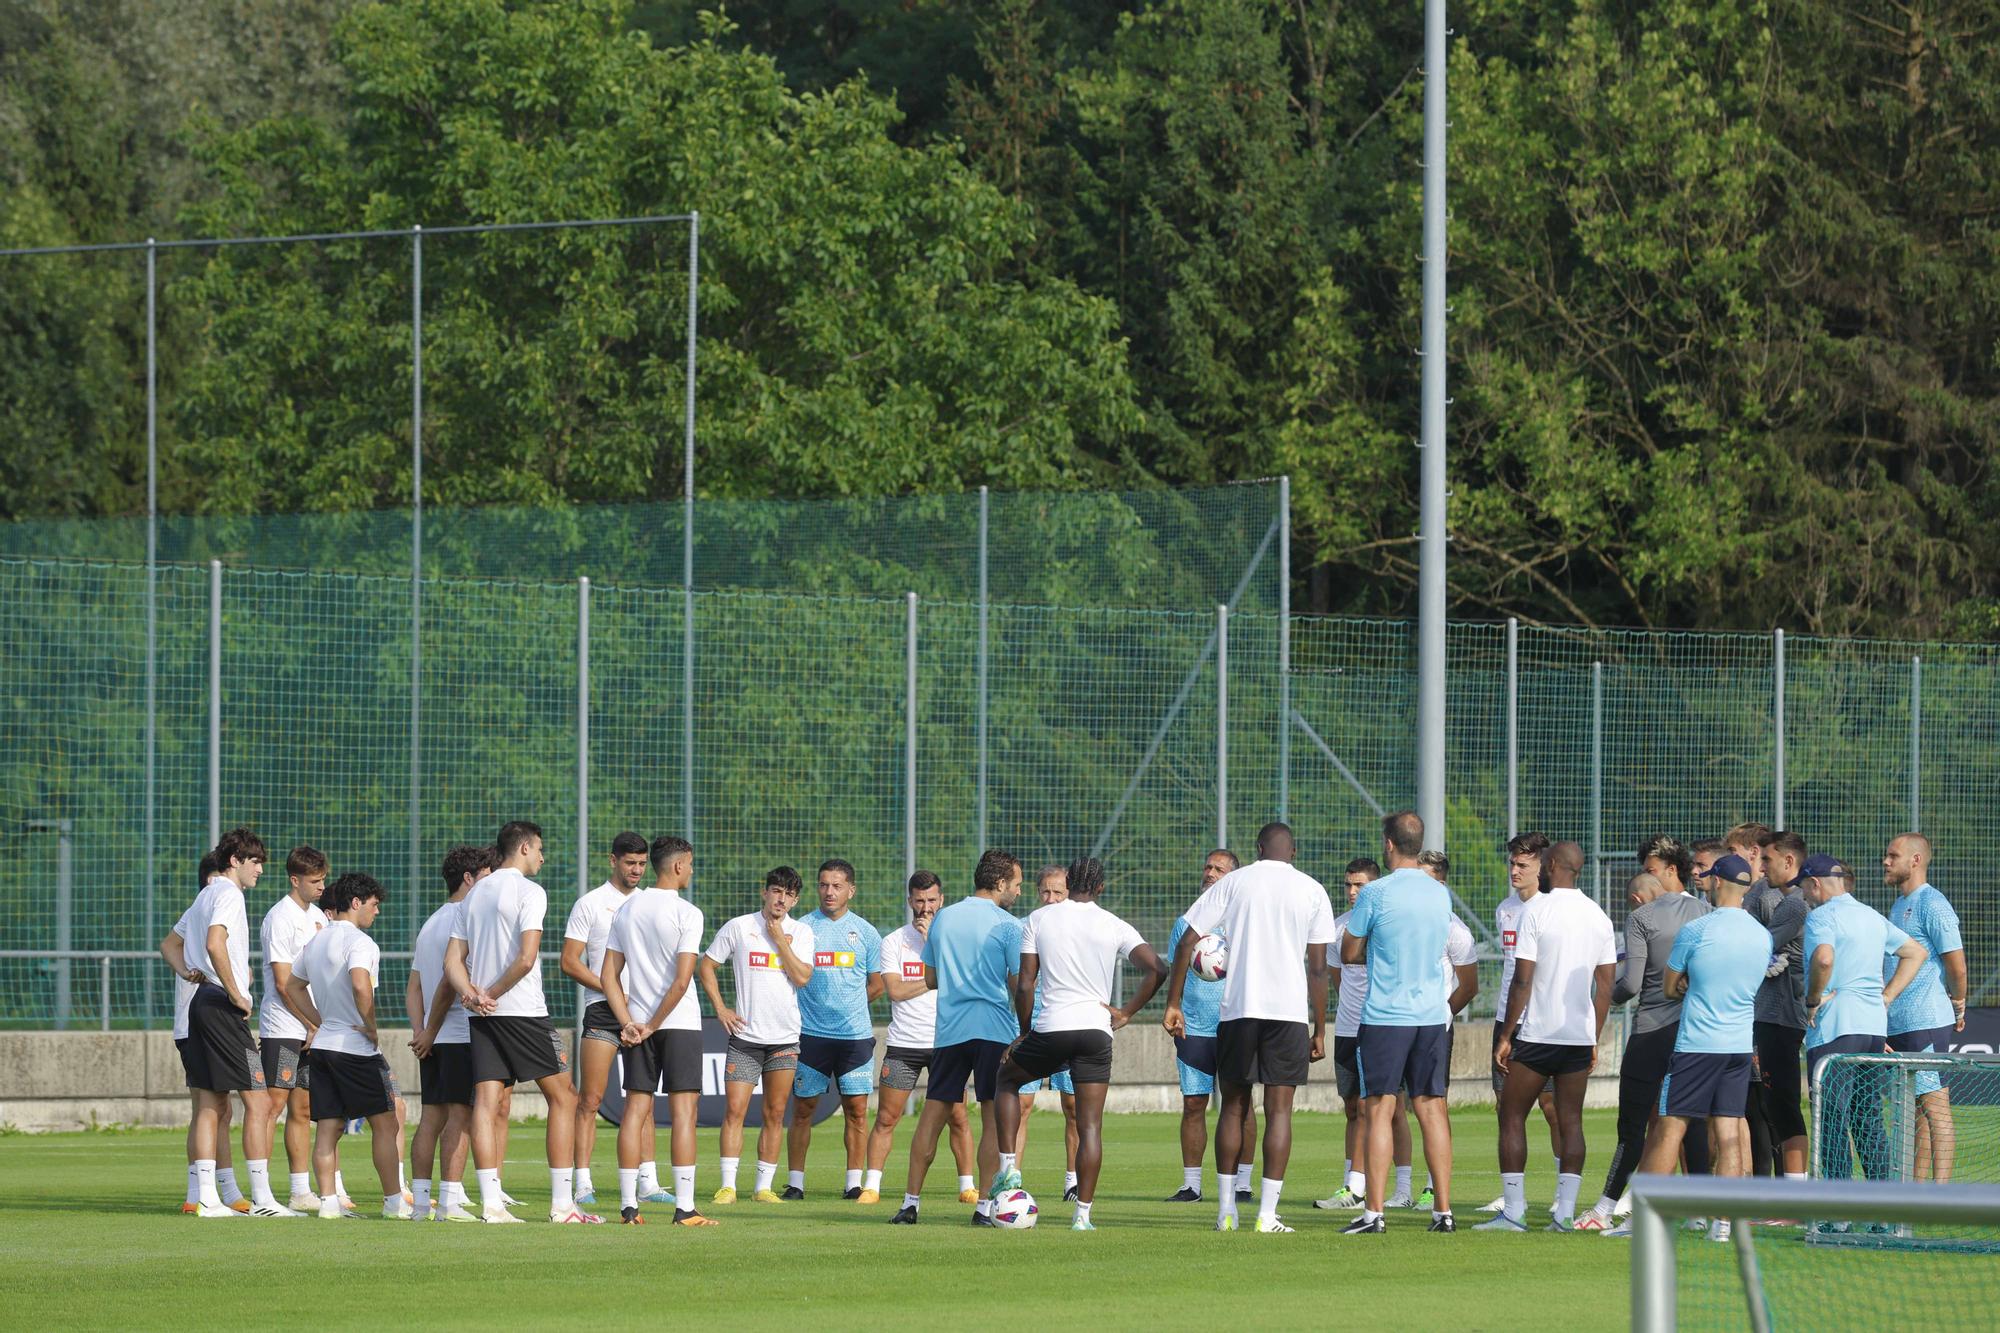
1015,1210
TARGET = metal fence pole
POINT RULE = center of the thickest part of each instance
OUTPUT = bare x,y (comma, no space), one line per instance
1222,724
1597,779
1513,726
104,993
1916,740
416,566
214,702
582,736
983,507
152,600
1652,1270
1284,647
687,534
1778,728
910,737
1431,562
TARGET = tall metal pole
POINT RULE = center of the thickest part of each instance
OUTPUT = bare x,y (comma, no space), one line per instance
152,600
687,535
416,566
1597,778
983,516
1284,646
1513,726
582,736
1430,577
910,737
214,702
1916,740
1778,728
1222,724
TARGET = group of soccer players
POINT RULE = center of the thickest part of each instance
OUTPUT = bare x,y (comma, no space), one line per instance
1739,953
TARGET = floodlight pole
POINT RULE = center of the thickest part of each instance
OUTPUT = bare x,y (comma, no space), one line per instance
1431,565
687,535
152,590
416,565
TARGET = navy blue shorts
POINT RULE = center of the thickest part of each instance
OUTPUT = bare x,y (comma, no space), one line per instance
1704,1084
1924,1041
1860,1043
976,1060
1196,1053
1393,1058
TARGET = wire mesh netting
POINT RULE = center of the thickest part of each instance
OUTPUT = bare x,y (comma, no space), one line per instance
1807,1287
1907,1117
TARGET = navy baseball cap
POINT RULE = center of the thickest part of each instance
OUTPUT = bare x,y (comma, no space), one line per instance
1732,868
1821,866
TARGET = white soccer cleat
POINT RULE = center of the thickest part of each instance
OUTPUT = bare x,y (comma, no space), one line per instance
1271,1226
1345,1201
508,1200
397,1210
1501,1222
497,1215
217,1210
1226,1222
330,1210
453,1212
1624,1208
304,1203
1718,1230
1401,1199
1623,1231
272,1210
1695,1224
1591,1220
576,1217
1499,1205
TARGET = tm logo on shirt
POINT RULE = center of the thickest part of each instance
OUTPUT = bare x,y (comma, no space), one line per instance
827,958
1507,938
761,959
912,970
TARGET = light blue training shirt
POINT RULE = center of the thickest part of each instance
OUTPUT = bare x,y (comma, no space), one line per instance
1406,917
1862,939
974,946
1723,955
846,952
1926,916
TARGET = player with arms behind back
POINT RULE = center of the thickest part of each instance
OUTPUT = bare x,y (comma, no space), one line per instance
221,1056
441,1039
1194,1059
283,1036
583,962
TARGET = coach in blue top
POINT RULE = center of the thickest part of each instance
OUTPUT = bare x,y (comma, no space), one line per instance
1933,1007
836,1035
1847,1007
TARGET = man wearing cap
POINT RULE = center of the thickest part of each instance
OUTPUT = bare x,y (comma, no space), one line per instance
1781,1016
1846,943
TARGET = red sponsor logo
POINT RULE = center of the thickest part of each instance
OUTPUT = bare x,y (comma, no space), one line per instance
824,958
759,959
1507,938
913,970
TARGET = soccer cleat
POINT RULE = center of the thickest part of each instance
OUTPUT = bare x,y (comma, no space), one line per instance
1271,1226
1499,1205
1623,1231
849,1194
727,1194
868,1196
968,1196
497,1215
630,1217
1624,1208
1696,1224
1341,1202
1445,1223
217,1210
1563,1225
1246,1196
1718,1230
1400,1199
1069,1195
983,1220
1427,1201
1225,1222
1008,1179
409,1198
454,1212
767,1196
509,1200
792,1194
576,1217
1501,1222
304,1203
1366,1226
1081,1224
330,1210
242,1205
346,1204
585,1198
687,1218
191,1209
1592,1221
1185,1195
658,1196
399,1211
906,1216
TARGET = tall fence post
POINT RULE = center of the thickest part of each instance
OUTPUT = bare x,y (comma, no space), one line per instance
910,737
1597,779
1284,647
983,507
416,568
214,702
582,736
1916,741
1778,728
1222,724
1432,555
152,603
1513,726
687,534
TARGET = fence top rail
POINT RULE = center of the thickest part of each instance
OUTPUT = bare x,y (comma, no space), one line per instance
1888,1200
459,229
137,955
1914,1059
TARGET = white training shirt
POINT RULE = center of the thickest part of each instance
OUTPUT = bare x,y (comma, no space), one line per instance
1078,945
1459,951
183,989
1507,921
221,904
325,965
652,930
495,914
286,931
1353,984
590,921
427,961
1268,912
766,1000
912,1023
1567,937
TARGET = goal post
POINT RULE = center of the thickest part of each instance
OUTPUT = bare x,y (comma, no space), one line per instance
1660,1203
1889,1116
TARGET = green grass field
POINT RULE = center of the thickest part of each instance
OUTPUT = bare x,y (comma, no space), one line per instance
90,1234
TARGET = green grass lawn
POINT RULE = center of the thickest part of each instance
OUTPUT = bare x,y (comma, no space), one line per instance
91,1234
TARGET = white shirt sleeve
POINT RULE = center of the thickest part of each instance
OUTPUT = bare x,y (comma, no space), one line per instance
281,946
1459,948
1206,914
369,955
690,940
232,919
724,943
1028,932
1129,938
579,922
615,939
534,907
1525,949
1320,930
1607,945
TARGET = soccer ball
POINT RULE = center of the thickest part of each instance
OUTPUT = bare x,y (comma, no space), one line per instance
1016,1210
1211,958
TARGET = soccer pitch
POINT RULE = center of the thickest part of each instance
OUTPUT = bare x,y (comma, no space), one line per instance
90,1234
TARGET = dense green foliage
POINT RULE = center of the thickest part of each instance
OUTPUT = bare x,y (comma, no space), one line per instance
1724,274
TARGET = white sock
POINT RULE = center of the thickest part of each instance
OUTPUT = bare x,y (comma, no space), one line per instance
766,1172
1402,1180
194,1184
1267,1205
628,1187
965,1183
1243,1178
1008,1161
1069,1181
1566,1188
562,1198
301,1183
329,1206
683,1188
1083,1212
225,1181
1357,1183
584,1184
729,1165
983,1208
1514,1194
339,1185
1226,1203
1795,1175
1369,1215
489,1188
1191,1178
795,1180
1604,1206
649,1178
872,1180
454,1193
402,1178
392,1203
204,1188
854,1180
911,1200
423,1193
260,1182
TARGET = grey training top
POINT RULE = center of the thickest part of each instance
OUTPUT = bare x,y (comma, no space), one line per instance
1649,938
1781,1000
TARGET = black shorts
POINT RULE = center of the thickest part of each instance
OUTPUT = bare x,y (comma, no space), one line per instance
902,1064
1346,1073
1701,1085
1552,1059
599,1024
220,1055
1197,1053
285,1067
1270,1051
976,1060
1392,1059
667,1061
515,1049
447,1074
1648,1056
1778,1074
1086,1053
830,1057
1499,1078
350,1087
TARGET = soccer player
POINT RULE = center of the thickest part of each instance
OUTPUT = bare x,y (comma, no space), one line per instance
583,962
1781,1015
1194,1060
1849,946
494,964
287,928
173,950
1277,921
1932,1007
1650,932
836,1035
1051,886
1713,970
332,985
648,973
1703,855
441,1039
972,949
221,1055
771,957
1524,872
1352,979
1400,927
911,1047
1069,958
1563,966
